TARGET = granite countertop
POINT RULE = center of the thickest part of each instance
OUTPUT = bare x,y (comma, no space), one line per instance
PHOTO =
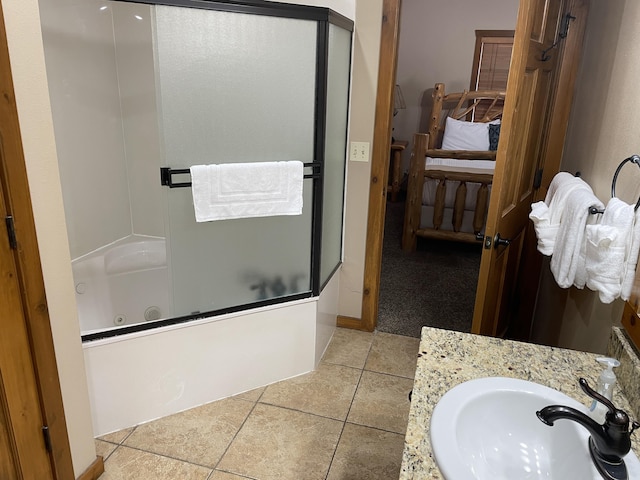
447,358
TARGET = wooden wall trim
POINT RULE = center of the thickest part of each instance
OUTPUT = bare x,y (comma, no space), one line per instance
94,471
350,322
380,161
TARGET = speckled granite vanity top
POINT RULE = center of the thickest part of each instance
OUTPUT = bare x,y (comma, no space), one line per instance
448,358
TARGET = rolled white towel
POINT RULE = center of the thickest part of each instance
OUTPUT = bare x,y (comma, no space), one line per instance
632,258
607,247
545,232
567,258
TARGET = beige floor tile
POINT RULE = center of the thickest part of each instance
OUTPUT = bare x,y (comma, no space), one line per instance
382,401
218,475
130,464
327,391
104,449
280,444
251,395
393,354
117,437
348,347
367,454
199,435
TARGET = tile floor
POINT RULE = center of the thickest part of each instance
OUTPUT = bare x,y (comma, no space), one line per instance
346,420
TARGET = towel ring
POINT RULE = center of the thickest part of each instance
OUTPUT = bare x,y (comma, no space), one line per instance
634,159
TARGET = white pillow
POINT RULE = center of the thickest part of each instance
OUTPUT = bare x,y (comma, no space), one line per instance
460,135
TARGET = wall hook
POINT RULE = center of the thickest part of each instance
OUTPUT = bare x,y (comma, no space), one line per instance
562,34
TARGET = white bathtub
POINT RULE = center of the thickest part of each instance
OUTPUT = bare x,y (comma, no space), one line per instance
144,375
122,284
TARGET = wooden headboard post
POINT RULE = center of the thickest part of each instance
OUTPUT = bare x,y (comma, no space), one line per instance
435,121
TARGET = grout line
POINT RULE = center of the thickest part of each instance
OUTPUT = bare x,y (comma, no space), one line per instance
392,374
235,435
344,423
403,434
231,473
181,460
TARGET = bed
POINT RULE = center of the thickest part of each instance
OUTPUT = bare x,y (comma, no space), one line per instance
451,167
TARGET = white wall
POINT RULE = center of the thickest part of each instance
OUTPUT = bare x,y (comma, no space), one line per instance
24,38
603,131
437,41
364,83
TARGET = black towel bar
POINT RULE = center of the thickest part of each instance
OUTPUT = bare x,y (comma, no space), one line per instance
166,174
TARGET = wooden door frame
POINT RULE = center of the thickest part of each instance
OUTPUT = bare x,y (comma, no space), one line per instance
30,277
527,285
379,168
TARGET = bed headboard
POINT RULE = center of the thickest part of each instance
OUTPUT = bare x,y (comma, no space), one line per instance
473,106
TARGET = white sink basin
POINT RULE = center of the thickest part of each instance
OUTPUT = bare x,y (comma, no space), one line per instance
487,429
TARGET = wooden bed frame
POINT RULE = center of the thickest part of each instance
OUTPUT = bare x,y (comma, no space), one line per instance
466,105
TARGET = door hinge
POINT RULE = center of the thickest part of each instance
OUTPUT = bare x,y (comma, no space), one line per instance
47,438
537,179
11,232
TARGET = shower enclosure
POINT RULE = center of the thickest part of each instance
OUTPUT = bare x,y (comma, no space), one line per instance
140,92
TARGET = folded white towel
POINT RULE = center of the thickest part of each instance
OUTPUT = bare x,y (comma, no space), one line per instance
547,215
632,258
567,258
606,249
580,279
244,190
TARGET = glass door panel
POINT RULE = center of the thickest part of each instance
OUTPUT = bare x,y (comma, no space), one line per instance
338,74
233,88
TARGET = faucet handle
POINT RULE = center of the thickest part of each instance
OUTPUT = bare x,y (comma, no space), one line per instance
596,396
614,416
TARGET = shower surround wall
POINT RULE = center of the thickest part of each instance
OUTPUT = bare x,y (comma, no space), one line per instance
146,375
106,129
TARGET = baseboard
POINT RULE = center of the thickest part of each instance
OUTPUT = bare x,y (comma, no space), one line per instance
94,471
352,323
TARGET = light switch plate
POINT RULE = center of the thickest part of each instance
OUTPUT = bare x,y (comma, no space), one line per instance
359,152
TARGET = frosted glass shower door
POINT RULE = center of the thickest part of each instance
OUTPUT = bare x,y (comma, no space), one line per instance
338,74
235,87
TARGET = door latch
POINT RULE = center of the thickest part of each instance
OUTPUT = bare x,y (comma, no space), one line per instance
486,239
501,241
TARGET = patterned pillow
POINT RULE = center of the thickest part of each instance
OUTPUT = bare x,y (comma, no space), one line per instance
494,136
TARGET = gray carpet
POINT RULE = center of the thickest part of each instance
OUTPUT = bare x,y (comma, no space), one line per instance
434,286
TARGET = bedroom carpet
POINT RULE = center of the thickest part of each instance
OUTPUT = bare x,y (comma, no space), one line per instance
434,286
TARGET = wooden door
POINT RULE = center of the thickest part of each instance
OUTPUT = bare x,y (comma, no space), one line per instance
528,114
23,454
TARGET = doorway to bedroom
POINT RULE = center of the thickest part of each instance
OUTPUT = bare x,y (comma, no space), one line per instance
436,284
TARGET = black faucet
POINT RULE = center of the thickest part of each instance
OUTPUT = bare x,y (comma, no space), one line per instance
608,442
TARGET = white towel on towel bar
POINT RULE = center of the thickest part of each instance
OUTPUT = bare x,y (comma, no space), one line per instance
607,246
547,215
245,190
632,258
568,254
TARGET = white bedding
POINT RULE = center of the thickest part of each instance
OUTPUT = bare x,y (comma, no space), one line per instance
429,191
